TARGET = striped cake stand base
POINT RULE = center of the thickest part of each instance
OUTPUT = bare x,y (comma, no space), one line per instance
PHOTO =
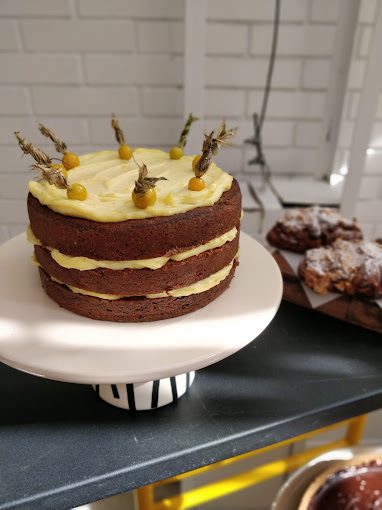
146,395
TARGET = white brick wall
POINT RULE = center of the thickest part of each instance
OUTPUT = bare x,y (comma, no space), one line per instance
133,69
250,73
9,35
26,69
157,9
316,74
84,100
307,134
70,63
15,101
290,105
37,8
324,11
304,40
77,36
259,11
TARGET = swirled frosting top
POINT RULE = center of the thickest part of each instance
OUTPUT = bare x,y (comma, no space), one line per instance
109,181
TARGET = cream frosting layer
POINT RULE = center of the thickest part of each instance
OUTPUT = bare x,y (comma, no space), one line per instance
85,264
109,181
195,288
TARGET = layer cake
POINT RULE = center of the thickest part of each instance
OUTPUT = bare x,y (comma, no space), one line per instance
105,258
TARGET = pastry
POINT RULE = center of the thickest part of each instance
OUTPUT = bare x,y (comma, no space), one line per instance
352,268
301,229
354,484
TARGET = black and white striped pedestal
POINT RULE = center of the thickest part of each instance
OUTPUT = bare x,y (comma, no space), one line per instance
147,395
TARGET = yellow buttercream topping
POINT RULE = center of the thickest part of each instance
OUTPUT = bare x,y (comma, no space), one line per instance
85,264
31,238
195,288
109,181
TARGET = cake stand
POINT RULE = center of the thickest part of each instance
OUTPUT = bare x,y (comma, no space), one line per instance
134,366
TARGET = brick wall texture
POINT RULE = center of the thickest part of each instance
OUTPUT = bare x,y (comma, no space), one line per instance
70,63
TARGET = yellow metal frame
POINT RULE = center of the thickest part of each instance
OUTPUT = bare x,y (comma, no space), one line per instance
145,496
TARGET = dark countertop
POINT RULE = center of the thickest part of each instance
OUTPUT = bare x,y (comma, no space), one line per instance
60,447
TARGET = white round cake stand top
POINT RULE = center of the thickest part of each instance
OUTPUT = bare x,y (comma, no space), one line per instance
39,337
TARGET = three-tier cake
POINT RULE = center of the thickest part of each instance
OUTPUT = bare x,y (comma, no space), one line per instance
103,256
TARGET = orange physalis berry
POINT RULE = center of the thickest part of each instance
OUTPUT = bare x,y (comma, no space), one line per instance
70,160
196,184
143,200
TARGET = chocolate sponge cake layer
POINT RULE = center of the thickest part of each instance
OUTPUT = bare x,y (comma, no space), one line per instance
137,238
132,309
138,282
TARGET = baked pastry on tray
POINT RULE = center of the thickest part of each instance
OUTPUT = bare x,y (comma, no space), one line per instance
310,227
354,484
352,268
